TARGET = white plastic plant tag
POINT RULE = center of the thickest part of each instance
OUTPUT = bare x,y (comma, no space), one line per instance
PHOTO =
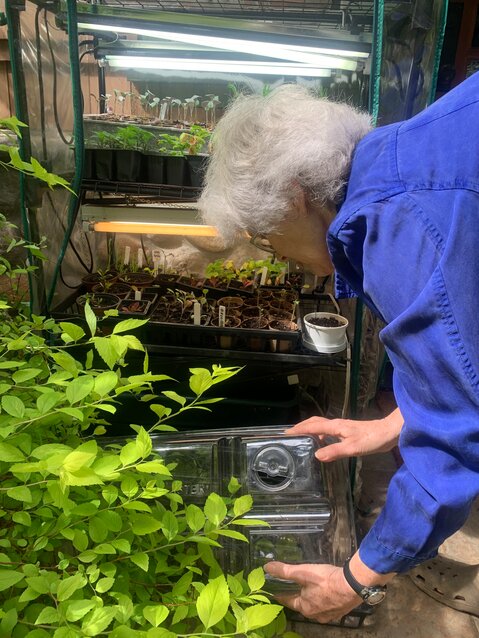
163,108
126,258
221,317
197,313
137,295
156,266
264,276
140,258
281,276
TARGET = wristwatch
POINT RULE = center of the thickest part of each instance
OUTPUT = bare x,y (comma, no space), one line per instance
371,595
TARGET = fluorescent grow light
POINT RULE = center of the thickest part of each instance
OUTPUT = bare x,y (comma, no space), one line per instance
318,57
220,66
197,230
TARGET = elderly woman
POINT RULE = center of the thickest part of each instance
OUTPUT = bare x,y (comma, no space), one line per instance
395,212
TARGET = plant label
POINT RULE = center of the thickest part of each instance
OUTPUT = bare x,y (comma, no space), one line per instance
264,276
197,313
156,266
221,316
137,295
163,108
140,258
126,258
281,276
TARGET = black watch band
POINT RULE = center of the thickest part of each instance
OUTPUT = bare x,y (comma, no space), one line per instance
372,595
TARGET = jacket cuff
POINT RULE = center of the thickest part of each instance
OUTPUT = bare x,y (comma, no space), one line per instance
384,560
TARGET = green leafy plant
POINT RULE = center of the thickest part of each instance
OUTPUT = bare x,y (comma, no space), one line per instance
220,271
195,139
172,144
12,128
96,539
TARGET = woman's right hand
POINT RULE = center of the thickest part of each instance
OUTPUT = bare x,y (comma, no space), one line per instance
356,438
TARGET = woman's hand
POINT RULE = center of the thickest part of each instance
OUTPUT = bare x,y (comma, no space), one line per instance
324,596
356,438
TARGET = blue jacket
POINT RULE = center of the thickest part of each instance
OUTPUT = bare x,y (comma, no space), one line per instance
406,240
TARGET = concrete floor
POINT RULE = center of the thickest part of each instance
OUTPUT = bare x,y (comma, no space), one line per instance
407,612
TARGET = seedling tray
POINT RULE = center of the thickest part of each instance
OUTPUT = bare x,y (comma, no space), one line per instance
159,335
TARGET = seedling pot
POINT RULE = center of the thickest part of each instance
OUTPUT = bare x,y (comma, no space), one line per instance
137,279
154,169
283,325
256,343
325,338
133,307
96,278
116,288
176,171
99,302
128,165
225,341
104,163
197,167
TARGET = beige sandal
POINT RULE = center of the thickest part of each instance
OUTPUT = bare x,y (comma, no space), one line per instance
450,582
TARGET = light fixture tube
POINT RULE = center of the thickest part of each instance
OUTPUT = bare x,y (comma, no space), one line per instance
218,66
197,230
250,47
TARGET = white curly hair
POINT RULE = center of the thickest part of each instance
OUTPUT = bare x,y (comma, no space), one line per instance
265,148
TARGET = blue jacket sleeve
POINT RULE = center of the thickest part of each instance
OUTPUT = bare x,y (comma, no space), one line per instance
432,339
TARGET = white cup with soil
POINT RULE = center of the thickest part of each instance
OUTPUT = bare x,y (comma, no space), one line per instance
325,332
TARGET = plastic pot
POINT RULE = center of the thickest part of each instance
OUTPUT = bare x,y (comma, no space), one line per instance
282,325
176,171
99,302
95,278
137,279
226,341
196,168
128,165
154,169
232,303
256,343
103,160
325,338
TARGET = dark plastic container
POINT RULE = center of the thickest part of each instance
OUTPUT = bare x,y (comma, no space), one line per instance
197,166
104,163
128,165
153,171
176,173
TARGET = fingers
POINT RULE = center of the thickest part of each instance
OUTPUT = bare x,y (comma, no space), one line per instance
300,574
316,425
333,452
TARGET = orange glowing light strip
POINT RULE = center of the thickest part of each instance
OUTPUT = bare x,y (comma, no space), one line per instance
198,230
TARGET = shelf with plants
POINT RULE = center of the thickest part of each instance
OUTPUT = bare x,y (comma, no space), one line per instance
133,155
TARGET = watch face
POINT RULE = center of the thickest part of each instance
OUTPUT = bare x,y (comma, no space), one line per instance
375,596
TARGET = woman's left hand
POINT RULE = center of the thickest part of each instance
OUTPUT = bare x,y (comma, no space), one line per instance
324,596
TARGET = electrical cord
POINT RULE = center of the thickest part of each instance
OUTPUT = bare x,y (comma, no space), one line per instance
41,88
73,247
54,68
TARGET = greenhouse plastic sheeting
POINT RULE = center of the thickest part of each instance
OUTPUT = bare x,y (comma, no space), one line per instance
46,74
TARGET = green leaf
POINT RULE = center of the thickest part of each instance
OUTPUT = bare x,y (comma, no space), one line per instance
122,545
143,441
81,457
9,577
13,406
66,632
20,493
22,518
109,493
256,579
142,524
76,413
130,453
155,614
105,383
200,381
153,467
8,622
47,401
213,602
26,374
242,505
234,485
250,522
128,324
66,361
97,530
141,560
98,621
90,319
129,486
215,509
77,609
10,454
47,616
7,365
229,533
169,525
79,388
261,615
104,584
106,350
160,410
104,548
70,585
72,330
195,518
174,396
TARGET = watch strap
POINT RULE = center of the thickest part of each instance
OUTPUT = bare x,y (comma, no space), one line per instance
366,592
